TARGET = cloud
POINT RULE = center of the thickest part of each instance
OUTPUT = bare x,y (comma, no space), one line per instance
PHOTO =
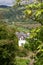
6,2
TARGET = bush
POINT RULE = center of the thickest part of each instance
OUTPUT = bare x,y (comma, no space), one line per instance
8,45
21,61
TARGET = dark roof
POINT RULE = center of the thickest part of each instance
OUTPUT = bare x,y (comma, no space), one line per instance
19,34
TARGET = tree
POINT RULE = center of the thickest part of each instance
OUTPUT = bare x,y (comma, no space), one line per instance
8,45
18,2
35,42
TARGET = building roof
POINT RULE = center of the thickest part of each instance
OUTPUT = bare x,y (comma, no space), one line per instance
21,34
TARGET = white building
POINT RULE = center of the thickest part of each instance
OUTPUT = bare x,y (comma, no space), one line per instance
21,42
21,37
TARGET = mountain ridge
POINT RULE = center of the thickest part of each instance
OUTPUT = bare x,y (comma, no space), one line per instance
4,6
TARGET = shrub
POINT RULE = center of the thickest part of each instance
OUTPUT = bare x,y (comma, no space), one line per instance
8,45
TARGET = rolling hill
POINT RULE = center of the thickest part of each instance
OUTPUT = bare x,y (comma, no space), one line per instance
13,14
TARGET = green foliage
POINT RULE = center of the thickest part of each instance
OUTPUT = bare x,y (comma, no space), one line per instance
20,61
39,16
36,38
8,45
35,42
34,6
37,12
22,52
18,0
28,12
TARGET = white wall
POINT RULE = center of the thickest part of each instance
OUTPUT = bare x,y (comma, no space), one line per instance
20,42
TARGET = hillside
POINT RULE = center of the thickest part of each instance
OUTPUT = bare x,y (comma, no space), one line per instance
13,14
4,6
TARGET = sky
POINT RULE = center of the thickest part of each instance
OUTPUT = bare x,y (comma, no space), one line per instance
6,2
